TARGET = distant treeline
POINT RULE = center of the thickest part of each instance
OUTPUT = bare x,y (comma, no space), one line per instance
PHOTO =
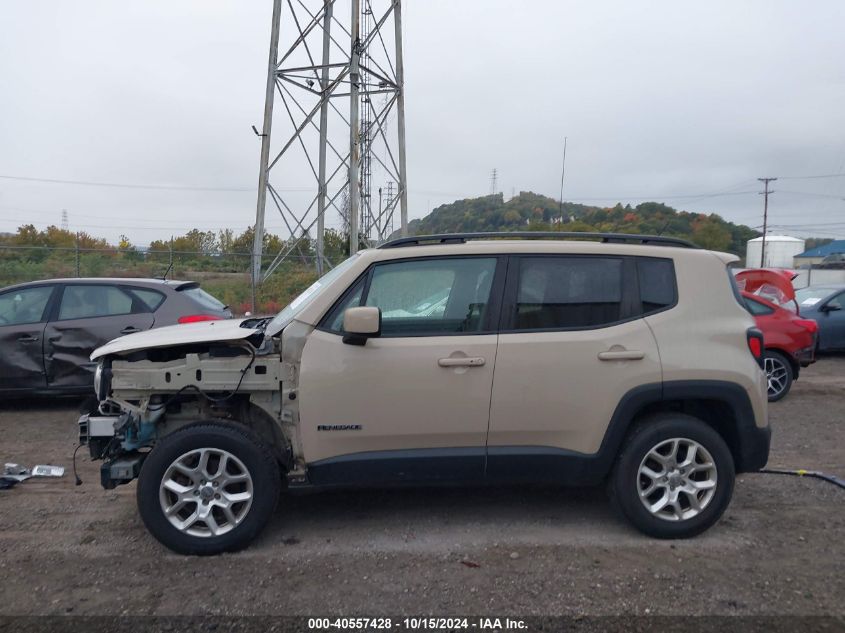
533,212
221,260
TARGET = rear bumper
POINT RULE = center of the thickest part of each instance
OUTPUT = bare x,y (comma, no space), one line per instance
807,355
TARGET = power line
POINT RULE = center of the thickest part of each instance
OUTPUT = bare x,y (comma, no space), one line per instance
125,185
841,175
811,193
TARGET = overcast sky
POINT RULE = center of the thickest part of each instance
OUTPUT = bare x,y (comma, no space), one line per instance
660,100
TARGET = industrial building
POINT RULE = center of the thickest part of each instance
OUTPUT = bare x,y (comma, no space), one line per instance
781,251
816,255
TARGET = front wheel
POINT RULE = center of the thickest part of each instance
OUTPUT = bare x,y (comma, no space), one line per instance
779,375
208,488
674,476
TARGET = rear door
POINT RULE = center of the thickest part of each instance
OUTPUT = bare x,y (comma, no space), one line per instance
573,343
87,316
22,322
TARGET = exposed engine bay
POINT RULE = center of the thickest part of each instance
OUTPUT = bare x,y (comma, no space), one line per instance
146,393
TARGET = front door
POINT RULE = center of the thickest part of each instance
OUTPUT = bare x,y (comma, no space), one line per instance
22,319
413,404
88,316
572,344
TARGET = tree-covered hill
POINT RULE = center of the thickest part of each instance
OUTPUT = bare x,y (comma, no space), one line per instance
533,212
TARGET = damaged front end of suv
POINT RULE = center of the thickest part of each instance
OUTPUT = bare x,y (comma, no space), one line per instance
150,385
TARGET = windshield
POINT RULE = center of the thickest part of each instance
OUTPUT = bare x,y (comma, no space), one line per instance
811,296
307,296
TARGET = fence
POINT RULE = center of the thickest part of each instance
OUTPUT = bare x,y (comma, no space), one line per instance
818,276
225,275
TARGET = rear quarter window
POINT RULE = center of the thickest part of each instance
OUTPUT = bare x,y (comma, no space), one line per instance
202,298
658,288
148,298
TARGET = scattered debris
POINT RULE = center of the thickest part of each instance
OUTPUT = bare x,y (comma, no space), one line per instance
7,482
18,473
469,563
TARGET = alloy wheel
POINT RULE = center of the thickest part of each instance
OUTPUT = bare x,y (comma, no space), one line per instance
677,479
206,492
777,374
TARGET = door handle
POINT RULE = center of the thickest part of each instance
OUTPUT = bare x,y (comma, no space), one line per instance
130,329
623,354
471,361
27,338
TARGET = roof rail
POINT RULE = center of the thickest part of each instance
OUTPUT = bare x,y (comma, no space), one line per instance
461,238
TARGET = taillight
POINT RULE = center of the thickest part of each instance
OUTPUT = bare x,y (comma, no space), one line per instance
808,324
755,344
196,318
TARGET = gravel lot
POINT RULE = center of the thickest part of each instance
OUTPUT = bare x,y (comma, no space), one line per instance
780,549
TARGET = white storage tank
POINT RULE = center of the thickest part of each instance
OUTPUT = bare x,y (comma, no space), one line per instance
780,251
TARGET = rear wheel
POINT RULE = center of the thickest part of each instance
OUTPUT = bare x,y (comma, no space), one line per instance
208,488
674,476
779,374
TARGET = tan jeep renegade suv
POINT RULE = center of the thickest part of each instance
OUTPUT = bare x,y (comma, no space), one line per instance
456,358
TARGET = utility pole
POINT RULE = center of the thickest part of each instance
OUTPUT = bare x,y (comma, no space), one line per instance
77,254
562,175
765,195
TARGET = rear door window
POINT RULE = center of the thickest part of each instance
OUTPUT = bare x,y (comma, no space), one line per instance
83,302
568,293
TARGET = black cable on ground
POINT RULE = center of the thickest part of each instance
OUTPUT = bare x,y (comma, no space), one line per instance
806,473
78,480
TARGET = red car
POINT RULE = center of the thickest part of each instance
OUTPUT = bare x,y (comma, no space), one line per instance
790,341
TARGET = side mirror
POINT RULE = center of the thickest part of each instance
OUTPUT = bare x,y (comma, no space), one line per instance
359,324
831,307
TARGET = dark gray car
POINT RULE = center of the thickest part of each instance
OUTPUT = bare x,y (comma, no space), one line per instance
48,329
826,306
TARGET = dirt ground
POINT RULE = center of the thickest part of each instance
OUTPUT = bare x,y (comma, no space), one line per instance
780,549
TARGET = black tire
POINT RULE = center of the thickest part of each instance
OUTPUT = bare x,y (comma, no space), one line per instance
780,361
239,442
625,479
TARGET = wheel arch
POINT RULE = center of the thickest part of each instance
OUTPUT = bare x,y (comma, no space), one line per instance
722,405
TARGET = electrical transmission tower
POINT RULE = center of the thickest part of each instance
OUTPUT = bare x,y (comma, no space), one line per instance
494,181
65,223
336,67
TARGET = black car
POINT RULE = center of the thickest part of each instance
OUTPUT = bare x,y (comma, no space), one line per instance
48,329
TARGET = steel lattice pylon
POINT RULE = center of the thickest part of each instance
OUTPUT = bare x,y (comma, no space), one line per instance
336,68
